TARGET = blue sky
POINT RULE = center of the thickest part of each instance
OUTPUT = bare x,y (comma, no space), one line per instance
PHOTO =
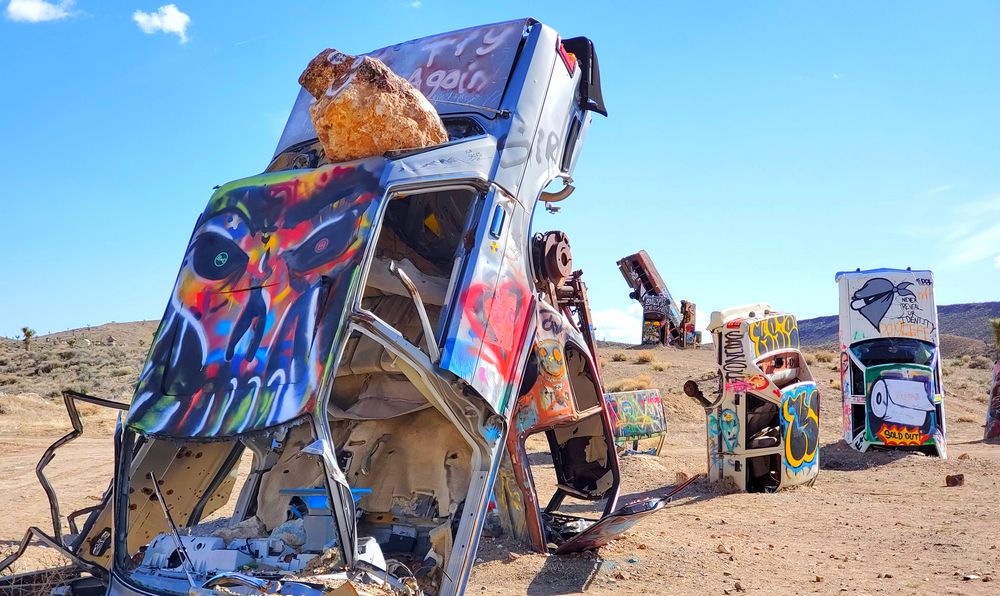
753,149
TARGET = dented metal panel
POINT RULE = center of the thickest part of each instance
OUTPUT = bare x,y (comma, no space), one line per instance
259,303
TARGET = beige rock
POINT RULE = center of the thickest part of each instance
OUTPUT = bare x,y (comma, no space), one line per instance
364,109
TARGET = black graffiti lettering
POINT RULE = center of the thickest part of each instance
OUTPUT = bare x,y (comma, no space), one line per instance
552,324
734,367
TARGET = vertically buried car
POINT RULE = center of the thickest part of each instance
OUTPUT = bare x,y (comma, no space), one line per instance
336,378
763,426
890,366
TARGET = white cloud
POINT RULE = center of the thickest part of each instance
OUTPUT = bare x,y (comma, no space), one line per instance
613,324
38,11
930,192
996,261
973,232
838,75
415,4
166,19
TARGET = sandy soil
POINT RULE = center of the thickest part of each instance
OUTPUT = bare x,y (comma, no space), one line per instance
873,523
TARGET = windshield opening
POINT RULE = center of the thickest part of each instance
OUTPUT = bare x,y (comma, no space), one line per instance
256,505
894,350
420,240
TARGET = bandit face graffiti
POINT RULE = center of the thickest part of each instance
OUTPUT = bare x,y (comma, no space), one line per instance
875,297
259,297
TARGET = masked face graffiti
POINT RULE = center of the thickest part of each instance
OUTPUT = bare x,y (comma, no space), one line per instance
259,295
875,297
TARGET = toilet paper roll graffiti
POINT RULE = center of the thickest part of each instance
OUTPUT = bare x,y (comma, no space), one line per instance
901,401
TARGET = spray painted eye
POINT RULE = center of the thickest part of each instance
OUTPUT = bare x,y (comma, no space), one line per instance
213,256
327,242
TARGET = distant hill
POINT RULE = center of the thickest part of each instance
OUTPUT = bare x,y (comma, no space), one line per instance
964,329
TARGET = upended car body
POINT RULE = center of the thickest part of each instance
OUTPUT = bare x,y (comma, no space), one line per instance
890,364
763,425
352,351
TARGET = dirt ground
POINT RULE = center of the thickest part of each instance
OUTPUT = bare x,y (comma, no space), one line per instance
873,523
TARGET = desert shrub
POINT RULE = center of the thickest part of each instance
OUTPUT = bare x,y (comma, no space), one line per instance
630,384
619,357
835,384
967,418
659,367
980,362
825,357
644,357
121,372
810,359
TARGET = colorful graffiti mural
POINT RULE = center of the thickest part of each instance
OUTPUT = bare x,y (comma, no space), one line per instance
800,426
900,405
773,333
258,304
485,343
992,433
636,414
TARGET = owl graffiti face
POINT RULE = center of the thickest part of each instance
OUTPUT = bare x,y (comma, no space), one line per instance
259,298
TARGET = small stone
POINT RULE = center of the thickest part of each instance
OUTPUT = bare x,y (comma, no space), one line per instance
643,546
632,559
739,587
513,556
970,577
954,479
724,550
819,578
887,575
964,456
987,578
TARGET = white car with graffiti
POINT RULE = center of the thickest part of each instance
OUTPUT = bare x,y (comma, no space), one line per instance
763,426
890,366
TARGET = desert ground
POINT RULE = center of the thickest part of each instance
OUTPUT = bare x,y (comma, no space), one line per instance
873,523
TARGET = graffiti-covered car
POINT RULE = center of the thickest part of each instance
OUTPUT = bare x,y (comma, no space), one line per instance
890,365
763,425
350,350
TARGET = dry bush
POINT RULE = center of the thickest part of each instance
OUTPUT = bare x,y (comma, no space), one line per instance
619,357
825,357
967,418
644,357
835,384
630,384
810,359
981,362
659,366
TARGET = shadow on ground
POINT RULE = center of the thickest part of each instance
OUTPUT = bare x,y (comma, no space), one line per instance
842,457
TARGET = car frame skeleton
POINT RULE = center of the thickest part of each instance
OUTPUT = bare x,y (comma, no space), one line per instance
356,333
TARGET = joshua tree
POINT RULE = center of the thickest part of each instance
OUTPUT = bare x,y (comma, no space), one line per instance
995,323
28,334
